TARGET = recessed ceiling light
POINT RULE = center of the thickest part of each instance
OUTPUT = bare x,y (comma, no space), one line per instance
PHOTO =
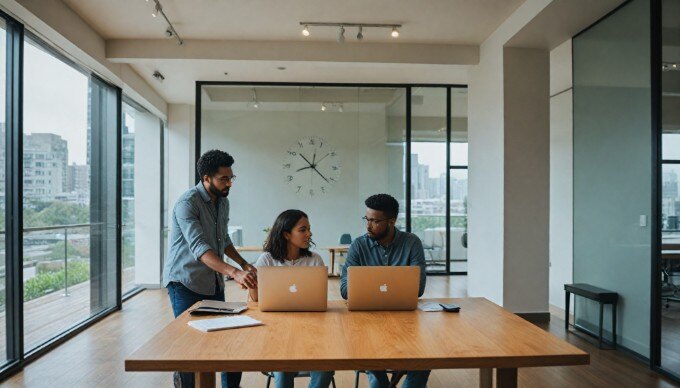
281,68
225,73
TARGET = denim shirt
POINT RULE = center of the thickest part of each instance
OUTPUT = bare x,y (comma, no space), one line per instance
197,226
405,249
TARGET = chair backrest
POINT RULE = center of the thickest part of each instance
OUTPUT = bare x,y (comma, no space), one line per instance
345,239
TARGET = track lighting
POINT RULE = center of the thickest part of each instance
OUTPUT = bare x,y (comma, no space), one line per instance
169,30
341,35
255,103
323,107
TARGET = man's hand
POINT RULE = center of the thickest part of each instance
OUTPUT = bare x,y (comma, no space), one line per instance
249,268
245,278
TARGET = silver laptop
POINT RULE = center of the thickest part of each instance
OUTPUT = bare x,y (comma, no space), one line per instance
383,288
292,288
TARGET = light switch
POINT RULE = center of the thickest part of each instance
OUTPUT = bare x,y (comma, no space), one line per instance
643,220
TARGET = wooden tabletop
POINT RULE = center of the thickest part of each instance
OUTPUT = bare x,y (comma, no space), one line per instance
482,335
338,248
249,248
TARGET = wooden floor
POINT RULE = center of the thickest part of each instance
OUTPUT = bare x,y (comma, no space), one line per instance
95,357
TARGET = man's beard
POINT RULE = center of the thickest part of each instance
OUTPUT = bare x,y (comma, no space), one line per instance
378,237
217,192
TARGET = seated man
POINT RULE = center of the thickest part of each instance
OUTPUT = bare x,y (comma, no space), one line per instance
384,244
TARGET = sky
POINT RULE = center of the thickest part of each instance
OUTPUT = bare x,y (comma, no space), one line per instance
434,155
55,98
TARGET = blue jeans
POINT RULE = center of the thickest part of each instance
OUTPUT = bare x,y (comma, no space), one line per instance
181,298
287,379
414,379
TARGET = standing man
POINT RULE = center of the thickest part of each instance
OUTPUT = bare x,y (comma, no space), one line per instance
383,245
194,268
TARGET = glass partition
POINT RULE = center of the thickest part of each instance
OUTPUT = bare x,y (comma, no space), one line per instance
612,170
670,200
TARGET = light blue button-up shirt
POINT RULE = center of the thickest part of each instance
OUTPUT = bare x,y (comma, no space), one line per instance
405,249
197,226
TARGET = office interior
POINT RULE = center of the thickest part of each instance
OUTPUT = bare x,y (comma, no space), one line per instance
530,144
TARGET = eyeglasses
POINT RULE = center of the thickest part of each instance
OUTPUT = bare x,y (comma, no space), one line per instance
373,221
226,179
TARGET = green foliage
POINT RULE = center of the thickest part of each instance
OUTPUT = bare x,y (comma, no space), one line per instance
57,251
48,282
55,213
425,222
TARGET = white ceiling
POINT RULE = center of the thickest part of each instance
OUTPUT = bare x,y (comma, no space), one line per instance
431,21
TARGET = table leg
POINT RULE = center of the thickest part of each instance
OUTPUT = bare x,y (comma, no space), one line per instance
332,251
506,378
485,378
205,380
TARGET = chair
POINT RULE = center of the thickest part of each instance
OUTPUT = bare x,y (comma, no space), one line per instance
270,376
345,239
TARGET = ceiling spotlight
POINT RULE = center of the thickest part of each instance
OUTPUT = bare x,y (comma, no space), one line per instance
395,32
341,35
156,10
341,108
168,32
323,107
305,31
158,76
360,35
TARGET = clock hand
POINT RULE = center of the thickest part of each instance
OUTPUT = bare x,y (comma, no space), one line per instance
317,171
306,160
317,163
314,157
303,168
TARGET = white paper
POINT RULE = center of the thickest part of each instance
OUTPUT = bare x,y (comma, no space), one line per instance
429,306
223,323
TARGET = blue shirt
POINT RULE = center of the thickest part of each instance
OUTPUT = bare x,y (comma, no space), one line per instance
405,249
198,225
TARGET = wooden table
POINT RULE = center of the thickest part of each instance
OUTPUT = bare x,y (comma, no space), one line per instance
482,335
249,248
332,251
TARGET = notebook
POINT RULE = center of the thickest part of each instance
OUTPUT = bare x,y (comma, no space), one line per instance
218,307
223,323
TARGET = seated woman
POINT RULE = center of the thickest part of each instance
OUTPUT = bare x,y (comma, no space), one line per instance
288,244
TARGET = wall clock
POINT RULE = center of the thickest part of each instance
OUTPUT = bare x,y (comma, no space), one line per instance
311,167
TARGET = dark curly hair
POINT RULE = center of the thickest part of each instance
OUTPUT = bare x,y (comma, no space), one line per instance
385,203
276,244
211,161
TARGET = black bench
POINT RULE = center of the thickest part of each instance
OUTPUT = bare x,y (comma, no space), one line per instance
593,293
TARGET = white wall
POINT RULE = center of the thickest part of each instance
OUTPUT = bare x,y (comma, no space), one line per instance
561,173
485,176
147,200
526,129
259,141
180,153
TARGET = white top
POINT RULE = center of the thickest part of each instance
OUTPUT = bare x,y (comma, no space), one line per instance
266,260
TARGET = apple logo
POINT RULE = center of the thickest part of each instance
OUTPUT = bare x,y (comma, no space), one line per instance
383,288
293,288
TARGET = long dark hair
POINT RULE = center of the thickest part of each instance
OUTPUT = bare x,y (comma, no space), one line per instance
276,243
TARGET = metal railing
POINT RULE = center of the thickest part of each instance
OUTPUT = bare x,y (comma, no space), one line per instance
65,228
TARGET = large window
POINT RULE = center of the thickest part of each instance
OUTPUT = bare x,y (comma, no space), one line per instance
3,183
141,186
69,188
357,137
